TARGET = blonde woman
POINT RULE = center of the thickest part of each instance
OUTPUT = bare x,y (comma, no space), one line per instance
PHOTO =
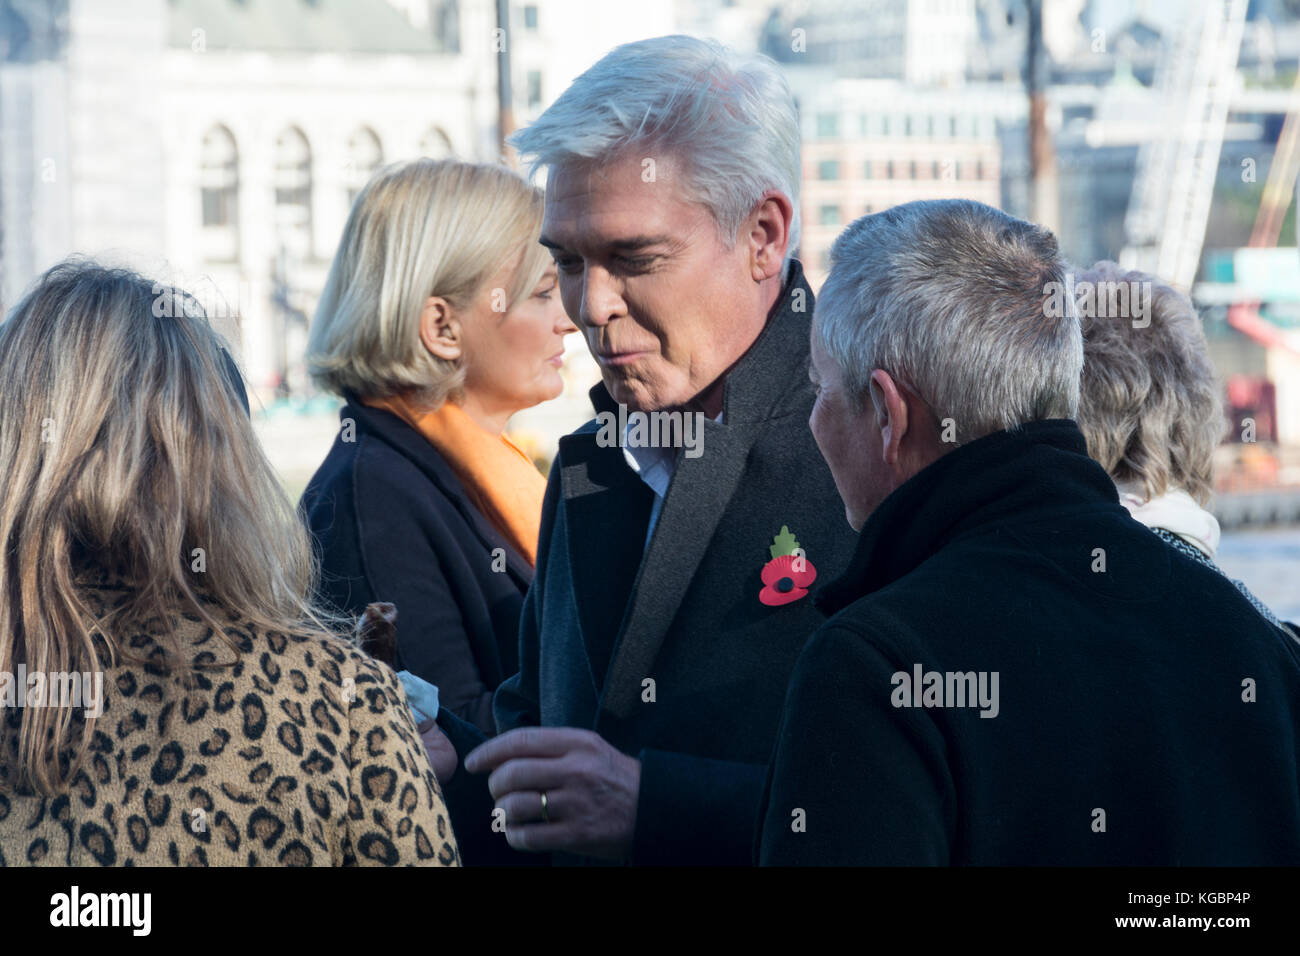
1150,407
440,319
168,694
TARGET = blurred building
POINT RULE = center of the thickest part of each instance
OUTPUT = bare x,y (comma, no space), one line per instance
872,144
920,42
219,144
1107,107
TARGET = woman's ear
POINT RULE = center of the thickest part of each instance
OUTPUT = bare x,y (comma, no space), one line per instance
439,329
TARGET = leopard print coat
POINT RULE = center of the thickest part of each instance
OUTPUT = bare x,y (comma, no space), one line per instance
302,752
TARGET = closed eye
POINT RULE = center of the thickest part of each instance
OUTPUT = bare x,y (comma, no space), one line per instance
571,265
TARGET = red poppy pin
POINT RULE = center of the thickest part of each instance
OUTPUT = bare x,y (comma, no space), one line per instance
789,574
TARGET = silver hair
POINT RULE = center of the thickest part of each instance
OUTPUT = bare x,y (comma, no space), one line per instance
956,299
729,118
1151,407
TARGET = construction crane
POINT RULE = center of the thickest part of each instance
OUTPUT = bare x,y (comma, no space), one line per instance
1278,189
1170,202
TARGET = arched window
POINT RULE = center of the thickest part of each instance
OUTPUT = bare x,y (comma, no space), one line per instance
436,145
219,195
293,183
365,155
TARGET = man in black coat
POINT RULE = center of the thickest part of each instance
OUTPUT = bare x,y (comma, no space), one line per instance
1016,671
672,588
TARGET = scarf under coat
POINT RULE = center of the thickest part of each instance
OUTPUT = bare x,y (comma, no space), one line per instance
1175,511
501,481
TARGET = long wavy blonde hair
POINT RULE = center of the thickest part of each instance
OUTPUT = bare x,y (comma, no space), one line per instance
125,448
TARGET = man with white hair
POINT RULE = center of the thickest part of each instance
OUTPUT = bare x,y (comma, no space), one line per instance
671,594
1016,671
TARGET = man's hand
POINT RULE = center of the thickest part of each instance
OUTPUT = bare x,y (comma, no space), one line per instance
441,753
591,790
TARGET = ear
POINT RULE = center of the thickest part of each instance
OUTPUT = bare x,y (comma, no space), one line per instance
891,415
440,330
769,234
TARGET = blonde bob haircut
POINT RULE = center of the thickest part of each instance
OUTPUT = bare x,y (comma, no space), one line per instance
418,229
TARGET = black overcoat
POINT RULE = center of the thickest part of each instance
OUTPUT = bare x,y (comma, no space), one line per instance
393,523
1145,713
671,656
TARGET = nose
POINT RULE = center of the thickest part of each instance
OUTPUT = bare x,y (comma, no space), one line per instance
563,324
566,326
601,300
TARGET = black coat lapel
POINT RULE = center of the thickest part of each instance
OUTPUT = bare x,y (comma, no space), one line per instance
607,510
766,383
393,431
697,497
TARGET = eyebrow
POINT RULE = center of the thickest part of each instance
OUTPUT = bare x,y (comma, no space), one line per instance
631,244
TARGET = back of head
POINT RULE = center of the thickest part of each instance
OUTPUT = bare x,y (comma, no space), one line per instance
730,119
1151,409
128,457
961,302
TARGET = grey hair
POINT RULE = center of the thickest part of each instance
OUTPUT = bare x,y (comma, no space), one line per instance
729,118
1151,407
954,298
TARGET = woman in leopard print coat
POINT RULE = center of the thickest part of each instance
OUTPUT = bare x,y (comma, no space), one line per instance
168,694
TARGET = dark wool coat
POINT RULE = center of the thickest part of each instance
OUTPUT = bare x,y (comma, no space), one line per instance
601,620
1146,713
394,524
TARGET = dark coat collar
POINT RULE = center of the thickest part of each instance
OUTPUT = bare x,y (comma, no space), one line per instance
772,371
1039,468
769,381
399,435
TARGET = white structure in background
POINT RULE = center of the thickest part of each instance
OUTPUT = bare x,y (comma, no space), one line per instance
921,42
270,146
1170,205
218,144
737,23
555,41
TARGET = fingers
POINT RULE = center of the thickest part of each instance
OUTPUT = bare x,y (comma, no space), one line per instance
438,748
526,807
526,774
542,837
523,742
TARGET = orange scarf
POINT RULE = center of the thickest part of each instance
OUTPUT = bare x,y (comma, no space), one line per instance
501,481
